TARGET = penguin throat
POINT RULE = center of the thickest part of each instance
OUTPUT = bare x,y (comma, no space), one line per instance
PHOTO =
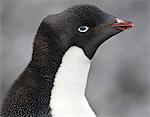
68,93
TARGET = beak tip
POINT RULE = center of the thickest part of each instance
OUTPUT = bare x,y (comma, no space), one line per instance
123,25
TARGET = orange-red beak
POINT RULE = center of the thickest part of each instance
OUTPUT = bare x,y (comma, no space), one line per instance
122,25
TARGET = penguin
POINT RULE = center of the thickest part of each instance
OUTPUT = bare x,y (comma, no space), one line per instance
53,83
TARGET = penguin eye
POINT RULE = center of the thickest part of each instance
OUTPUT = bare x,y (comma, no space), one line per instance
83,29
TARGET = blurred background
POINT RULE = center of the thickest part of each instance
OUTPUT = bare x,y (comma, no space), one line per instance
118,84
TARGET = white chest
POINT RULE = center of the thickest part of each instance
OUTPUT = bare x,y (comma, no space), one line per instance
68,94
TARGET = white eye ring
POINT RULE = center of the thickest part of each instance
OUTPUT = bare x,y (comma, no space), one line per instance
83,29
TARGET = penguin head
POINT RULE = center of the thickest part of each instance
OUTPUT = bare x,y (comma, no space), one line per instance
84,26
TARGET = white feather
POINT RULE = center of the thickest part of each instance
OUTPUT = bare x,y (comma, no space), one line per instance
68,94
119,20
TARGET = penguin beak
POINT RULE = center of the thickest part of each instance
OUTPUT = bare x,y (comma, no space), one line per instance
122,25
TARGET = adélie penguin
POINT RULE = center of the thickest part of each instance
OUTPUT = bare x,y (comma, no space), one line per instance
54,82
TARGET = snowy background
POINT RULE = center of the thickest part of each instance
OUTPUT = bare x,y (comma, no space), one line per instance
118,84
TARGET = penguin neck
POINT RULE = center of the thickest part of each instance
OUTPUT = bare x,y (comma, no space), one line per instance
46,59
68,92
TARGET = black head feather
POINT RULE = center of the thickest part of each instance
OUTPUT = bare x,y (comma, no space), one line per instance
62,28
